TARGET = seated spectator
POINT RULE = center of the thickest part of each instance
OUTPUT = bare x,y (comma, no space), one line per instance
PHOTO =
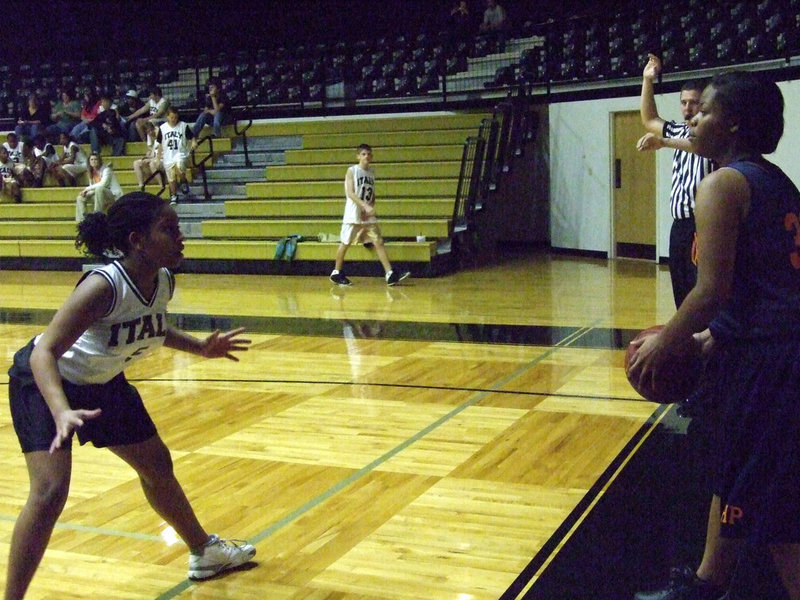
103,189
494,24
73,159
47,163
155,111
9,182
107,128
216,111
144,167
131,105
33,118
16,152
65,115
89,111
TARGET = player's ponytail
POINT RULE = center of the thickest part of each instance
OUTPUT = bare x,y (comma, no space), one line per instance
135,212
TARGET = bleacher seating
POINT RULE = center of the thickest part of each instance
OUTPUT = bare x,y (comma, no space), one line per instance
296,184
417,162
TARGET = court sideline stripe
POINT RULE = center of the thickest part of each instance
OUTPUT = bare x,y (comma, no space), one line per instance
336,488
529,575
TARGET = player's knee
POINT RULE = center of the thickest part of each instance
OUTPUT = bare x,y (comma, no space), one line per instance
49,497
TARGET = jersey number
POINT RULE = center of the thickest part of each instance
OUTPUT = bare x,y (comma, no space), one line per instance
366,194
172,144
792,223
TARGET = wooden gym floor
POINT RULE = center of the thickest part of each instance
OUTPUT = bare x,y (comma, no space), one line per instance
445,439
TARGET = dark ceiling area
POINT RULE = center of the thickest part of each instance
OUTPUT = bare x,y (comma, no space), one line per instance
94,29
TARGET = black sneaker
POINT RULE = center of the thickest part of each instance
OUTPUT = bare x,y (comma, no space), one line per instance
173,200
684,584
185,189
339,278
393,277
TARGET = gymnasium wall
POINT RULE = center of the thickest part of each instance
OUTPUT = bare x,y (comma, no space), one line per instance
581,163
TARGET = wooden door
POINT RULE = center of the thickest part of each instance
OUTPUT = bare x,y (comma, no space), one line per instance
633,182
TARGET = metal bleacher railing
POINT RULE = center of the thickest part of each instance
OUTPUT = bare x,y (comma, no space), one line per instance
594,52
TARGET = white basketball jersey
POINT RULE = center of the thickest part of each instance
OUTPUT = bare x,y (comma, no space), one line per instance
6,168
80,155
174,142
15,154
364,183
133,327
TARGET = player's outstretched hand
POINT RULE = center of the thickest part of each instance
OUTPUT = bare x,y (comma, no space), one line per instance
67,422
219,344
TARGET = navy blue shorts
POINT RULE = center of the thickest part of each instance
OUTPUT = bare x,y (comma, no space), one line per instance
124,418
753,387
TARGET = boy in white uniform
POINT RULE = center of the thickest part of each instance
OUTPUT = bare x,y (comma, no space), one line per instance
360,221
175,142
9,184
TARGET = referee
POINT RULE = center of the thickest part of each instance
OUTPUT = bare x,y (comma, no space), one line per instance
687,171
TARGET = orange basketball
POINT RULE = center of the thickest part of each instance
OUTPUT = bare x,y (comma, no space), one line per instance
683,374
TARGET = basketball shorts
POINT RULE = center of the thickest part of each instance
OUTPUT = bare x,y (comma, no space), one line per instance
752,389
123,420
176,170
360,232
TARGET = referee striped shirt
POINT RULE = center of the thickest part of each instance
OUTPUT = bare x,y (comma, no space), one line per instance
687,171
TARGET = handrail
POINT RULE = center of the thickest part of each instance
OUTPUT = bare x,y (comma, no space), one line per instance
202,164
163,180
243,133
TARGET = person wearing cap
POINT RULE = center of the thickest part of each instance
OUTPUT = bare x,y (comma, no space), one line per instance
154,110
126,109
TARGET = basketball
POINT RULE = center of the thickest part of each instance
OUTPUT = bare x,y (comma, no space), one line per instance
682,373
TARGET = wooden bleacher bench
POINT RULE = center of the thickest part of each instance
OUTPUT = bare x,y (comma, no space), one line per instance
417,160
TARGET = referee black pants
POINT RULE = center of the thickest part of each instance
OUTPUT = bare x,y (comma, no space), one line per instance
682,270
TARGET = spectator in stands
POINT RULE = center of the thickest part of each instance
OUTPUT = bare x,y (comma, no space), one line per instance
360,221
9,182
144,167
73,159
16,152
107,129
155,110
131,105
65,115
89,111
216,111
33,118
175,143
47,163
103,188
495,24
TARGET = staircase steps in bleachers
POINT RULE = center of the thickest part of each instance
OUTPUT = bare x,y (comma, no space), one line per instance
409,170
442,188
332,207
293,184
383,154
277,228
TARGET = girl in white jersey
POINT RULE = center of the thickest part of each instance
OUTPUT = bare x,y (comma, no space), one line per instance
70,380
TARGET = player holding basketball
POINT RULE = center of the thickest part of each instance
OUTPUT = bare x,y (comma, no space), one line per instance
748,296
70,379
360,221
175,142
